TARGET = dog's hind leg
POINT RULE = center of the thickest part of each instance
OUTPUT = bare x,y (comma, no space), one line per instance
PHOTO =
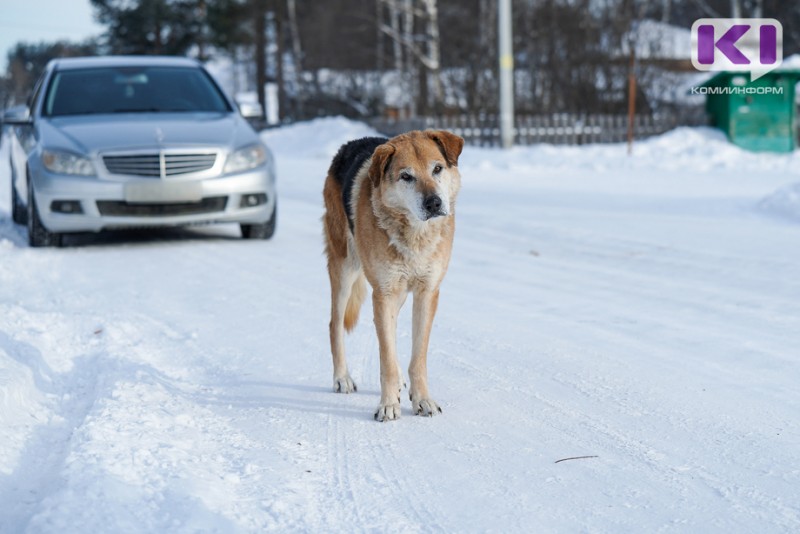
341,292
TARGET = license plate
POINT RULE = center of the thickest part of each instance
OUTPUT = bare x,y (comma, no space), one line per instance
164,192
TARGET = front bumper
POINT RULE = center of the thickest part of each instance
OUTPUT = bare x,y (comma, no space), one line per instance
142,202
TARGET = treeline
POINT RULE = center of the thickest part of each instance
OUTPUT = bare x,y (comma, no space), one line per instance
411,57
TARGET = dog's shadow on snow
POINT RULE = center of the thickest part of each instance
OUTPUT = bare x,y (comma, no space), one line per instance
297,397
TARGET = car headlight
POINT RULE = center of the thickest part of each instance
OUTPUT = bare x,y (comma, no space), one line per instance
246,158
67,163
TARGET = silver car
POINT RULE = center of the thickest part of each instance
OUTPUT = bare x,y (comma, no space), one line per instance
116,142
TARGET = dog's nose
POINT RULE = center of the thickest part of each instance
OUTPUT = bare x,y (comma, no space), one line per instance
432,204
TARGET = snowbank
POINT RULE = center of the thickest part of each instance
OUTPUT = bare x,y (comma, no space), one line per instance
318,138
698,149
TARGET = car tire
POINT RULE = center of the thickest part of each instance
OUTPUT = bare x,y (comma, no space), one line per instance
263,230
18,213
38,235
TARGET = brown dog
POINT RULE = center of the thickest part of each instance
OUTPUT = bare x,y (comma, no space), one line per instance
390,217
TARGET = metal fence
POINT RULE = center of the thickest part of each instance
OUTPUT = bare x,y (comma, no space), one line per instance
559,129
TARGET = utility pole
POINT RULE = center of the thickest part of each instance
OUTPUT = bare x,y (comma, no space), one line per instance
506,74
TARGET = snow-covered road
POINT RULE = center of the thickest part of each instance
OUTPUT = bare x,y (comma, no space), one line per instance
643,312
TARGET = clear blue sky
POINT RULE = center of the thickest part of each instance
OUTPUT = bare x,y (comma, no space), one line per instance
44,20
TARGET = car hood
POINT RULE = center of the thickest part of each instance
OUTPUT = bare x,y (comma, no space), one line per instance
101,133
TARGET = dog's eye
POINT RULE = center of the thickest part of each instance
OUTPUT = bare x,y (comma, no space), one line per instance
437,169
406,177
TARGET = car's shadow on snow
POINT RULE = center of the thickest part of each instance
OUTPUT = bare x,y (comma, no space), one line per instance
149,236
18,236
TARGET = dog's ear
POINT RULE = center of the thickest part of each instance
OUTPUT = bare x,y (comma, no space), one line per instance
381,158
449,144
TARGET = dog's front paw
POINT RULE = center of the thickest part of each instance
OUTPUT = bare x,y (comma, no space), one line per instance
426,407
387,412
344,384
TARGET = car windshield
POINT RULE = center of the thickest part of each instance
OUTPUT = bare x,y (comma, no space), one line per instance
132,90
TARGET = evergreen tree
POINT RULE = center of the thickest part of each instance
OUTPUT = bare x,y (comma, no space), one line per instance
154,27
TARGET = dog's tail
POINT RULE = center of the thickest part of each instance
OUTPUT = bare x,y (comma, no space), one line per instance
357,294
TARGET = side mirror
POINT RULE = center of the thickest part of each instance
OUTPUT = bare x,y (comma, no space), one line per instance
17,116
251,110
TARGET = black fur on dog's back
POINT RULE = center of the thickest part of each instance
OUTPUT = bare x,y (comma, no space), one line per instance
346,164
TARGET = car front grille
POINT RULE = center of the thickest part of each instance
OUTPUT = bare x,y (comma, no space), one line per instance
159,164
114,208
187,163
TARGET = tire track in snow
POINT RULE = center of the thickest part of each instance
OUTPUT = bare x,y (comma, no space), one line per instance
341,475
404,490
373,492
100,424
38,472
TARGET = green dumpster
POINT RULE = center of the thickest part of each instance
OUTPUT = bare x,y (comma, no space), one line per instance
760,115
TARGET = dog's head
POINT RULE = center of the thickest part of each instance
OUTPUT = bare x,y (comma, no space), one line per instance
417,173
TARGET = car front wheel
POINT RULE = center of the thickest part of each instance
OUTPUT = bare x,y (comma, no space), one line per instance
38,235
263,230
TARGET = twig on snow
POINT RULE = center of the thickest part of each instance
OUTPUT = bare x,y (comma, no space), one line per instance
576,458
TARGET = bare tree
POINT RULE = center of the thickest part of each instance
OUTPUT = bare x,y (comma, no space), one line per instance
413,28
433,66
666,10
260,16
410,70
397,41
